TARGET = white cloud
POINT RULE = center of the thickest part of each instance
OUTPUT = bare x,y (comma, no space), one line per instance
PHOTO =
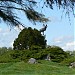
11,43
58,40
4,32
61,39
65,42
1,44
0,29
19,28
54,19
69,46
7,37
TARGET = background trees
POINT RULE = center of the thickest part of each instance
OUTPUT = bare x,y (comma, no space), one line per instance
29,37
4,50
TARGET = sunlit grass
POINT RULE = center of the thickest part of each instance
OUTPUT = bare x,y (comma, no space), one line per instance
42,68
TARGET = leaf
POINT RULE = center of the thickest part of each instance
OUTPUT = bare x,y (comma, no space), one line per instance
35,16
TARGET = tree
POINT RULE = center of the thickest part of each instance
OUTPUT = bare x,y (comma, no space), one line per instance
29,37
8,9
3,50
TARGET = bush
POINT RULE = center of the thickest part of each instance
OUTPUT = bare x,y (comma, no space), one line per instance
56,53
67,61
6,57
35,47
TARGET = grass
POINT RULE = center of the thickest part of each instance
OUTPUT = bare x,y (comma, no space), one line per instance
42,68
9,66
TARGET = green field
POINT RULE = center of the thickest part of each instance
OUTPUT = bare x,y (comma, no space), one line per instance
42,68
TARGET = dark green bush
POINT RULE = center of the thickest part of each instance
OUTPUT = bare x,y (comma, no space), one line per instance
6,57
35,47
56,53
67,61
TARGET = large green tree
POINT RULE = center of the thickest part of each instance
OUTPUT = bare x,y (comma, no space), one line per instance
29,37
8,9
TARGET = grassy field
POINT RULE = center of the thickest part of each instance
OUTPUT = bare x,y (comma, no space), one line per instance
42,68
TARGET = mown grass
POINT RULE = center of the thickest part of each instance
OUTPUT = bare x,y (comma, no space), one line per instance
42,68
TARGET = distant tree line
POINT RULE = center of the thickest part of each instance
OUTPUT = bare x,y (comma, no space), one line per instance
4,49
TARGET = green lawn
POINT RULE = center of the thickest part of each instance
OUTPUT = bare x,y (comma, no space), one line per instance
42,68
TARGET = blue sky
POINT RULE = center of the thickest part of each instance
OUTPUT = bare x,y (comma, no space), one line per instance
59,31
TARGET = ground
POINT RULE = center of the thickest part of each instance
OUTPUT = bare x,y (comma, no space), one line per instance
41,68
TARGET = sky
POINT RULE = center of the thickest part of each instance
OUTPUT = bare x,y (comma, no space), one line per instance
60,31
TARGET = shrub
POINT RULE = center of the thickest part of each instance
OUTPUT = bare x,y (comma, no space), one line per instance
67,61
56,53
35,47
6,57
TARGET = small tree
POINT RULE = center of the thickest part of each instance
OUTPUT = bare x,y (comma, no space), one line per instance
29,37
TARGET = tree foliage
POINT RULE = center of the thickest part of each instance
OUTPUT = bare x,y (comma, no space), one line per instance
29,37
8,9
56,54
4,50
